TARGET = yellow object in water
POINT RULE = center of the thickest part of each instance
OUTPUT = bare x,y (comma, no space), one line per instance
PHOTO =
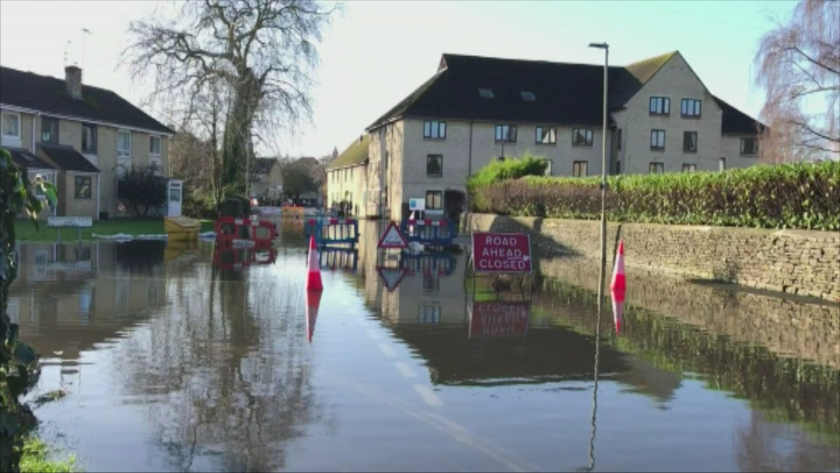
181,228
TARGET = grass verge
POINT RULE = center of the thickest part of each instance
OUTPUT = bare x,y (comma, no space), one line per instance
26,230
36,459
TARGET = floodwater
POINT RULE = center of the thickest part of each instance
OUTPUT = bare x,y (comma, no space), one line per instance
182,359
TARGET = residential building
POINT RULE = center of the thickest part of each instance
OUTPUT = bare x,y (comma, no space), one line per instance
662,118
347,178
79,137
266,178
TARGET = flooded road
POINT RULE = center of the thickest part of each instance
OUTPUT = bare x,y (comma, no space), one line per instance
194,360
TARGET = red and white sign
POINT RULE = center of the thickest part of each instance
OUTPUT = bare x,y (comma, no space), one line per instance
501,252
392,276
393,238
499,319
121,207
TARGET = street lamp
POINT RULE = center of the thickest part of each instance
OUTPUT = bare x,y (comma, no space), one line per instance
606,48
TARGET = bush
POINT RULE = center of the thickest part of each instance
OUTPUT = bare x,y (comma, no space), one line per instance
800,195
509,168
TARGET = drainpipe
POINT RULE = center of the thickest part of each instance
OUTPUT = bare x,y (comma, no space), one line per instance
98,180
469,165
32,144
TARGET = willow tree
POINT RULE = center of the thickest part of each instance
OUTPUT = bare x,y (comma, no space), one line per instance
263,52
798,65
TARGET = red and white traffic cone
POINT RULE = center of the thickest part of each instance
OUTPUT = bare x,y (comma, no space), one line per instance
619,283
313,279
313,302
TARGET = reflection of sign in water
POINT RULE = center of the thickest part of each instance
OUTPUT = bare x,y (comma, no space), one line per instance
501,252
391,276
498,319
393,238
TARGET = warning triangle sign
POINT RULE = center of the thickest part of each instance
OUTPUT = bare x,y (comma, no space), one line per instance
391,276
393,238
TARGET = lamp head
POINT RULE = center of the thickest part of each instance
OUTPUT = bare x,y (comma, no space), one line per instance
599,45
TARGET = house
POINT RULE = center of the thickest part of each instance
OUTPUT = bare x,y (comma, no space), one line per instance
80,138
474,109
266,178
347,178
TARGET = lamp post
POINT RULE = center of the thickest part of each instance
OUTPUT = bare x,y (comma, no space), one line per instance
606,48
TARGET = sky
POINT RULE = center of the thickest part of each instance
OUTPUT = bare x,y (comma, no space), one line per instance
374,53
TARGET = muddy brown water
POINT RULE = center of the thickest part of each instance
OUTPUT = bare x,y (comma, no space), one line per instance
184,359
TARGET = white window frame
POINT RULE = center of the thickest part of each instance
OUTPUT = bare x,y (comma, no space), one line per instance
160,145
120,153
11,140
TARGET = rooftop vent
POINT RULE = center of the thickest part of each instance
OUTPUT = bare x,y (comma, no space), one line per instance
485,93
528,96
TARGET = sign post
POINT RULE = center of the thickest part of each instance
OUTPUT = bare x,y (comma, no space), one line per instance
500,253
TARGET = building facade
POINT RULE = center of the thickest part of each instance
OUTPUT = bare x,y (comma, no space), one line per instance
78,137
475,109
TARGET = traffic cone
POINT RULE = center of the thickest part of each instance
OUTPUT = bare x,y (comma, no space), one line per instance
313,302
619,282
313,279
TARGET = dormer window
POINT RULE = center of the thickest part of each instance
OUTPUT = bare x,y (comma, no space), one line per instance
528,96
485,93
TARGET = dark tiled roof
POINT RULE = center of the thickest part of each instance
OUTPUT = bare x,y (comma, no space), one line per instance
49,95
67,158
26,160
262,165
356,153
566,94
736,122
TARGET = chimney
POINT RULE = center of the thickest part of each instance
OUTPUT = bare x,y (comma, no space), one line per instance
361,138
73,78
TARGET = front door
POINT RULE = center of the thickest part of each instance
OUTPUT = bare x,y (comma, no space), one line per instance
175,192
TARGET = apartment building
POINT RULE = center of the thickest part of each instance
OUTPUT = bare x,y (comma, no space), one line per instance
80,138
347,179
475,109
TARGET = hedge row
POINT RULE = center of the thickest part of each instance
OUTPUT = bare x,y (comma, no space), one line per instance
801,195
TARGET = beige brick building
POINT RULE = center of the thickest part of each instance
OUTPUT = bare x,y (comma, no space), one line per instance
475,109
78,137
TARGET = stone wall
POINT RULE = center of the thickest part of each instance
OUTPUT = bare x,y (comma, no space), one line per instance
792,261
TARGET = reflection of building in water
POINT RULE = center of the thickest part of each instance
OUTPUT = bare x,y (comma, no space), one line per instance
70,297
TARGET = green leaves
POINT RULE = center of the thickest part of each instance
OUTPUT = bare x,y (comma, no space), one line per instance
800,195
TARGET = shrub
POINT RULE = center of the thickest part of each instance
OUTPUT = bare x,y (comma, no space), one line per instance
509,168
800,195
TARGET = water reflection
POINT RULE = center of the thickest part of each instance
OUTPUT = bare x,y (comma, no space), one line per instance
207,359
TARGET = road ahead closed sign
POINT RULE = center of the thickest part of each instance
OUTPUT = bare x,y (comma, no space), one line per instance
501,252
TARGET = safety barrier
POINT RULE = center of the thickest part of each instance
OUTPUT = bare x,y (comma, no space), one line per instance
333,231
228,258
441,262
292,212
228,229
435,233
339,258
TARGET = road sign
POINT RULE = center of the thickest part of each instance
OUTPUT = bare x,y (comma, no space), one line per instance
121,207
393,238
499,319
416,204
501,252
392,276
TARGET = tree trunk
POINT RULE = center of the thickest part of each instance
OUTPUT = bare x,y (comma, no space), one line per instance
237,133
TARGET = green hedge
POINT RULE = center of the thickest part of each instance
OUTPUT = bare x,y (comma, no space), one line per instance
801,195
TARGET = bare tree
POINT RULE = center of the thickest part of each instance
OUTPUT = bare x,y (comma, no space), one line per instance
798,64
262,52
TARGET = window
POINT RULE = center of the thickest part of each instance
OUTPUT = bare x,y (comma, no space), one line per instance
123,144
660,106
618,139
657,168
434,200
546,135
689,167
83,187
580,168
485,93
528,96
434,130
657,139
387,158
506,133
154,145
88,138
749,146
722,164
690,108
690,141
11,125
434,165
582,137
49,130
